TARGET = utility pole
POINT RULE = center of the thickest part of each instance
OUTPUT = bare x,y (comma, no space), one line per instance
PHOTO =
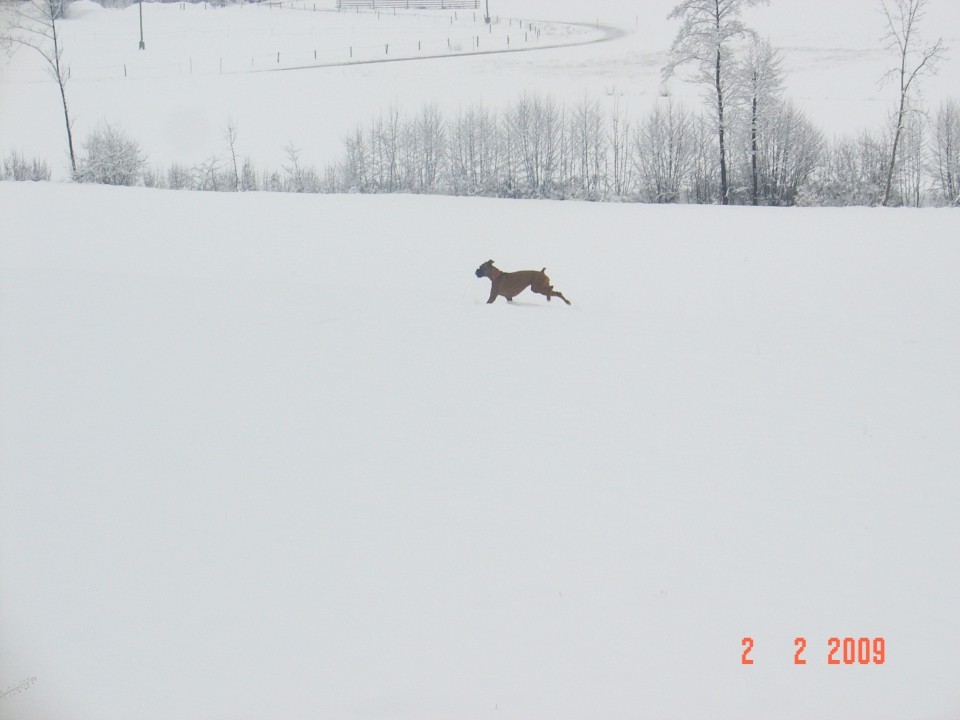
487,18
143,45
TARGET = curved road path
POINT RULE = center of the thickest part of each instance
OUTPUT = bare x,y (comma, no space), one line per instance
610,33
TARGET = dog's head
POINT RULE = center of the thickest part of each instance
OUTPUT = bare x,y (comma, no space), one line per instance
486,270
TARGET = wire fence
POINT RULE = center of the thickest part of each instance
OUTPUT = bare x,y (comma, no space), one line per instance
408,4
456,33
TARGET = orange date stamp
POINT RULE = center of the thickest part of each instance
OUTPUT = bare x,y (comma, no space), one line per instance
838,651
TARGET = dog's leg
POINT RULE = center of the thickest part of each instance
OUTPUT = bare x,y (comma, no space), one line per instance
544,287
493,295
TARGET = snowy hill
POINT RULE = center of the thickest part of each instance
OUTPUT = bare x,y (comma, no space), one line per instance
204,68
273,456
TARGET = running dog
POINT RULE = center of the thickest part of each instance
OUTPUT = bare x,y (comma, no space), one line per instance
510,284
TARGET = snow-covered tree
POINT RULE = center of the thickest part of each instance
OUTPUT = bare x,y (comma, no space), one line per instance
474,153
664,147
621,178
852,173
911,180
16,167
790,150
355,168
586,151
903,19
534,128
946,151
709,33
423,151
762,80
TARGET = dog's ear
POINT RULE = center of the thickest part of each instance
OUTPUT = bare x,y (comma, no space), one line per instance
489,262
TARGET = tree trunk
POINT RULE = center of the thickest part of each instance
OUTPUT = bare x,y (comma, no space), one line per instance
62,81
893,152
724,195
753,152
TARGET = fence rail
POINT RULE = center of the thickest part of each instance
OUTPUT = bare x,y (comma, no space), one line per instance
441,4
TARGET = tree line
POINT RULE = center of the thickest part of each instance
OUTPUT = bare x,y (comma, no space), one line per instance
539,147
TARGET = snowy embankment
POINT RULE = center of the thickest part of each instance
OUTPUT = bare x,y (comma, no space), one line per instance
273,456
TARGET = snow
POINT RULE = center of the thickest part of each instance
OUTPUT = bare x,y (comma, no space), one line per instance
268,456
274,456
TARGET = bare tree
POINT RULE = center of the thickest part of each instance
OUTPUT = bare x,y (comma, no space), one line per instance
429,150
622,177
946,151
298,178
790,151
851,172
911,180
587,151
903,18
355,169
706,37
534,132
663,153
474,153
231,134
35,24
17,167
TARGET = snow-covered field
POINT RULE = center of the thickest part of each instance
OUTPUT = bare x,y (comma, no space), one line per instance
272,456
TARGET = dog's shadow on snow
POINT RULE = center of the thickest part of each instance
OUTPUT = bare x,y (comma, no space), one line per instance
516,304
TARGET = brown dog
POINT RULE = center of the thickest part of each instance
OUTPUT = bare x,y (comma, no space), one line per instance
510,284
